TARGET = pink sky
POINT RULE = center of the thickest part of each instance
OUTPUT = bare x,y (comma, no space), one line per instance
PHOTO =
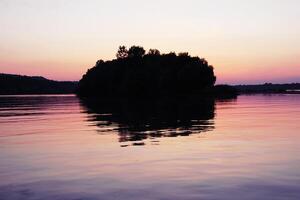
246,41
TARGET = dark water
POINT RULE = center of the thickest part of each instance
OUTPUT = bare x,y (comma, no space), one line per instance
58,147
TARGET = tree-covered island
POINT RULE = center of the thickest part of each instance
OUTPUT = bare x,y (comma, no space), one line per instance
135,73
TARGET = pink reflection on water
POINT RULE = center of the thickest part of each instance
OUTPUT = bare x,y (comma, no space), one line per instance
49,147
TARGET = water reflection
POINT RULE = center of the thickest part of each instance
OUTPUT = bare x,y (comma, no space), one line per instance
138,120
48,149
28,105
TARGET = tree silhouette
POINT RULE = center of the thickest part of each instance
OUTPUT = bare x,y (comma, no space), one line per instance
136,51
122,52
184,54
154,52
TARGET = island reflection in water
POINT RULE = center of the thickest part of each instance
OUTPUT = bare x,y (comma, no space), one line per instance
139,120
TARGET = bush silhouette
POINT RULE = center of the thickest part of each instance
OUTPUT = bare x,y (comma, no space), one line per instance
136,74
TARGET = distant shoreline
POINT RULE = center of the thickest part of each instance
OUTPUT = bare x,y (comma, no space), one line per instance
11,84
269,88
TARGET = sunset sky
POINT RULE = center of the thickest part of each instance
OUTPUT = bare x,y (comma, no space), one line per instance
246,41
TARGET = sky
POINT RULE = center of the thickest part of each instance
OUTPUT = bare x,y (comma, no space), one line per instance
247,42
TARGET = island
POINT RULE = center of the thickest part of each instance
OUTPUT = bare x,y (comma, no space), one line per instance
135,73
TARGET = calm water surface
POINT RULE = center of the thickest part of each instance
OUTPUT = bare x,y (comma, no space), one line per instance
60,147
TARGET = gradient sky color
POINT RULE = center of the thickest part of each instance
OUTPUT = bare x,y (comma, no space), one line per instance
253,41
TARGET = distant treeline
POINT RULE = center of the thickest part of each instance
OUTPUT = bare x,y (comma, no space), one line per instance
16,84
269,88
136,73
